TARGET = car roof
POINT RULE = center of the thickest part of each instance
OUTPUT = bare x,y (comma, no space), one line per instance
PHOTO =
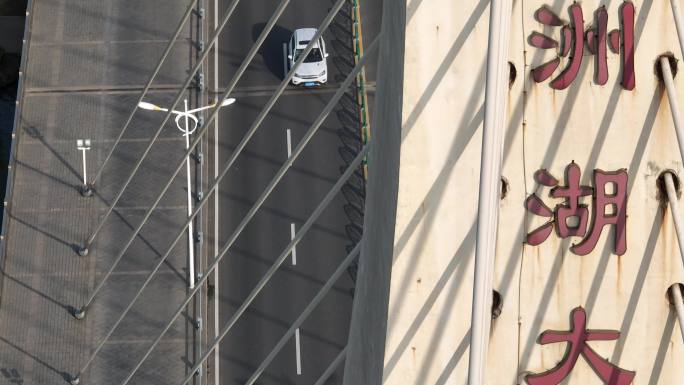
303,36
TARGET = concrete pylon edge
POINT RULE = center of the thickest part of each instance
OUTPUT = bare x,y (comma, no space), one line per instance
366,347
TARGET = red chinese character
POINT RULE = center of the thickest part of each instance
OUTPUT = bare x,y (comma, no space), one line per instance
616,203
573,208
596,38
596,42
562,212
535,205
627,16
609,208
577,337
570,36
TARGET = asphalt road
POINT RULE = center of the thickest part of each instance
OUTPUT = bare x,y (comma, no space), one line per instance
325,332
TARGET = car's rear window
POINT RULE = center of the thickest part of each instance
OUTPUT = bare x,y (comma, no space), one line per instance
314,56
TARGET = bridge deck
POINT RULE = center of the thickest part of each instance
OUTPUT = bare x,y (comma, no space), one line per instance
87,62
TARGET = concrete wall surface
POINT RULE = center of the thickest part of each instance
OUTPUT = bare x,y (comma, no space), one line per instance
599,127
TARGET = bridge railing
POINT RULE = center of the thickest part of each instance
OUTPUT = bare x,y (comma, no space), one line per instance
361,92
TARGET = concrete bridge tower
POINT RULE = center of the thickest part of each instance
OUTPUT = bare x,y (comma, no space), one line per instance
585,238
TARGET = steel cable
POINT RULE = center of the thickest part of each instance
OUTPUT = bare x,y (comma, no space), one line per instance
303,316
147,87
333,366
271,271
149,212
179,96
266,193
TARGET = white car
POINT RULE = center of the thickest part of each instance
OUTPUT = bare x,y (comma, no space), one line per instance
314,70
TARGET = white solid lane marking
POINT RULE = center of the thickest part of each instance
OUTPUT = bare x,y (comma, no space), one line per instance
289,144
284,59
298,352
294,249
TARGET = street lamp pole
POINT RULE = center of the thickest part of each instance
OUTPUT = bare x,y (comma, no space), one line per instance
84,145
191,243
187,115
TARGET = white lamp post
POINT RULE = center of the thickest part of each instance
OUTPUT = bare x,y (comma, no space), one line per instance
84,145
187,116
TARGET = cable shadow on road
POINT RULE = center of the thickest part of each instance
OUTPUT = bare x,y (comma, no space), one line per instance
66,376
251,368
281,323
279,213
41,231
49,176
97,14
35,291
156,254
35,133
246,254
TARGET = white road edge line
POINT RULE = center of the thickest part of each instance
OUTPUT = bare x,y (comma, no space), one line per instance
294,249
289,144
298,352
284,59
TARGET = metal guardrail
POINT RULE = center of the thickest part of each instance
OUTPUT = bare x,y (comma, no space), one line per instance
15,130
361,93
196,238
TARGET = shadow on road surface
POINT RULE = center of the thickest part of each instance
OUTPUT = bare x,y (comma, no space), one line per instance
272,49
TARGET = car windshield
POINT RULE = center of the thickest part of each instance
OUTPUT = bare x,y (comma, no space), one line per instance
314,55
